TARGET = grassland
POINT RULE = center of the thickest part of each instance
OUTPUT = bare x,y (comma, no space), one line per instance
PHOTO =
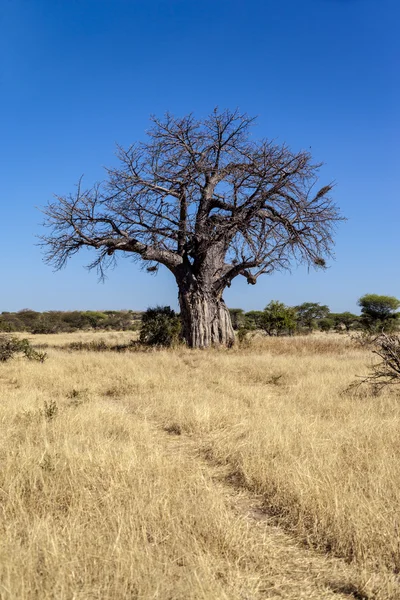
241,474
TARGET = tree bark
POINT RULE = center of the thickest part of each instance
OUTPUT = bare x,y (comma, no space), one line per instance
205,319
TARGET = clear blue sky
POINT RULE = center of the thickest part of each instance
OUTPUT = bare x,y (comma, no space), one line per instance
77,76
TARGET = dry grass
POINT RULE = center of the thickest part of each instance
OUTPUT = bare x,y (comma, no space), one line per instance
95,503
58,340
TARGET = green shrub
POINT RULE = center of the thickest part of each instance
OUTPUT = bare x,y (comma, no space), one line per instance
160,327
11,346
326,324
253,319
278,319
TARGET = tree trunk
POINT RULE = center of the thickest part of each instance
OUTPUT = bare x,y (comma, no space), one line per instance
205,319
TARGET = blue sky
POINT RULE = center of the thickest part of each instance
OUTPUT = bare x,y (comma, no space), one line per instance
78,76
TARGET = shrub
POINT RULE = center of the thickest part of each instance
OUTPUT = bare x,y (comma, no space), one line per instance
345,321
160,327
387,370
326,324
253,319
237,318
11,346
387,347
243,335
278,319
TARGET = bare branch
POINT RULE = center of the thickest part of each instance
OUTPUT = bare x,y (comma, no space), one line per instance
201,194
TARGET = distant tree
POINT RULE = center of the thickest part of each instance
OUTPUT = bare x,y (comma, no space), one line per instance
11,322
94,319
253,319
379,312
326,324
28,317
309,313
47,323
6,325
345,319
122,320
160,327
207,201
277,318
237,318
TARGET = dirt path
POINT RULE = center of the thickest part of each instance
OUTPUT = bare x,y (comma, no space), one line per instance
297,572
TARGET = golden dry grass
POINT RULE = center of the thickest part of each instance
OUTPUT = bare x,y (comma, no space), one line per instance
98,500
58,340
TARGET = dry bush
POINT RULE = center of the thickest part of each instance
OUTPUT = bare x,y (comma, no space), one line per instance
387,370
388,349
383,373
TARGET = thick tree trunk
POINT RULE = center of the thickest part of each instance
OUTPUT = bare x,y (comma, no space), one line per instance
205,319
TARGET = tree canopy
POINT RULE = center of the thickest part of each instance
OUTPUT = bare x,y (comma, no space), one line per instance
309,313
277,318
379,311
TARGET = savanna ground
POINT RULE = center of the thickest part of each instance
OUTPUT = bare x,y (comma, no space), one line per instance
236,474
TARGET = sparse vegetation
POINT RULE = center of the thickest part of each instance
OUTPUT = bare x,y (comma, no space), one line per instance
106,495
160,327
31,321
278,319
387,370
11,346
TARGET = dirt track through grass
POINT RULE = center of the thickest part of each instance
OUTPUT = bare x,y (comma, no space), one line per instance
295,571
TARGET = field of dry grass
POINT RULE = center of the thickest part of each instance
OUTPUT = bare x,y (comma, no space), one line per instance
228,474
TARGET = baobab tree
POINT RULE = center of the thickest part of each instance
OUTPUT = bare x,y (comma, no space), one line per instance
207,201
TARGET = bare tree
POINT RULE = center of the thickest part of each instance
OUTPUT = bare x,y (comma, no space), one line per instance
209,203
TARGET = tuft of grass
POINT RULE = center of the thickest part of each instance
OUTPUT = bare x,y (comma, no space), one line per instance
49,410
173,429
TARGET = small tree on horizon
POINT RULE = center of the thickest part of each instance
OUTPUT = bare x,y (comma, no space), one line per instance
309,313
326,324
346,319
253,319
277,318
379,312
208,202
